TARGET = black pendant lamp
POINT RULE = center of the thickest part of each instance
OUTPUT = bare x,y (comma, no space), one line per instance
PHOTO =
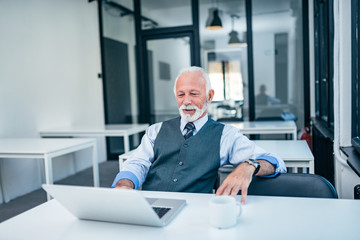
213,22
234,38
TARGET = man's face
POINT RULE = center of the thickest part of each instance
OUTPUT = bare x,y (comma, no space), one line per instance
191,95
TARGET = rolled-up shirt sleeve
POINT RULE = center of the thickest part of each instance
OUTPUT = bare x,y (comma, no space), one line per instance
136,167
235,148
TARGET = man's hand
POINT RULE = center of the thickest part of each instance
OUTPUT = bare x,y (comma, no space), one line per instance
241,177
124,184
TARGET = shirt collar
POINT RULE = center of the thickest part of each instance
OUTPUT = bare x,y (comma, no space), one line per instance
198,123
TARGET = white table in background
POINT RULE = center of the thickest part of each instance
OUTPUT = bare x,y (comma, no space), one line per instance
46,149
266,127
261,218
110,130
296,154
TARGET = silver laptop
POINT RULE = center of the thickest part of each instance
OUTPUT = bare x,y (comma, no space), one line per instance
115,205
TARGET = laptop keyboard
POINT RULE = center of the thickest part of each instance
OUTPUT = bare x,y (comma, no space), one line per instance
161,211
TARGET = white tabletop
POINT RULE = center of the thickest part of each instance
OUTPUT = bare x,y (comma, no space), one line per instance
265,127
110,130
106,130
261,218
45,149
287,150
39,145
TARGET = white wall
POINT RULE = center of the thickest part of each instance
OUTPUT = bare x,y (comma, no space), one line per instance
49,61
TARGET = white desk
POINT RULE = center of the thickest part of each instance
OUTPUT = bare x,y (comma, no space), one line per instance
266,127
46,149
111,130
261,218
296,154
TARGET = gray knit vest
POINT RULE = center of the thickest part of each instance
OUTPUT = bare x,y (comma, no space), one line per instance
185,165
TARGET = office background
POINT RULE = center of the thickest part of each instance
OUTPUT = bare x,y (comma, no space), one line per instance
50,58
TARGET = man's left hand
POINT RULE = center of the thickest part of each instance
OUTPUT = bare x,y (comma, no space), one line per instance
239,179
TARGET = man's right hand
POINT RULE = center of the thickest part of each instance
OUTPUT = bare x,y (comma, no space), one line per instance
124,184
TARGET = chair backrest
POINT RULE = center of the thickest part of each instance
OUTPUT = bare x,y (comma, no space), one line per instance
230,119
293,185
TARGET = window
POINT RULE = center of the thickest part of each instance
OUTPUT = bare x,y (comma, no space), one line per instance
324,41
226,75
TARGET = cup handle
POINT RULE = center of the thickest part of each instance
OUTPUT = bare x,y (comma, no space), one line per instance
238,205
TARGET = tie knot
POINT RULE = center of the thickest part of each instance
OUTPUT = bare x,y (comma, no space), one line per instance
190,126
189,130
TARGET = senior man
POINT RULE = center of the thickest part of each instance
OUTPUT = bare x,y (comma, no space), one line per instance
184,154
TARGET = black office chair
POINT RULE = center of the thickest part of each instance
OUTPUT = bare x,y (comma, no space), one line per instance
287,185
293,185
230,119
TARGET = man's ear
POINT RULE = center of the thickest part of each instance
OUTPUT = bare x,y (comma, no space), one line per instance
210,95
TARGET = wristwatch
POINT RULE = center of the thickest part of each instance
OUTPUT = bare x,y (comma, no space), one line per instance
254,163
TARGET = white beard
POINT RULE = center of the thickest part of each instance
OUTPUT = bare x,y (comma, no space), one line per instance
196,115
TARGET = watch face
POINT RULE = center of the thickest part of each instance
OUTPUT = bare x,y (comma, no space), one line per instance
255,163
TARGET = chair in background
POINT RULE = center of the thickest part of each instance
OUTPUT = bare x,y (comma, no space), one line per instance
230,119
288,185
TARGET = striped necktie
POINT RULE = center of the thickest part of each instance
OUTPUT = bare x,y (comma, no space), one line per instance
190,128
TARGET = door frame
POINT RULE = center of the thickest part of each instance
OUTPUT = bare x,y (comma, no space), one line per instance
142,36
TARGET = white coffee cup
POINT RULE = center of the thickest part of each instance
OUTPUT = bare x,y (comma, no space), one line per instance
224,211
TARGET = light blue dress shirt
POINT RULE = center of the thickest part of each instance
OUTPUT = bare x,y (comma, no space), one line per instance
235,148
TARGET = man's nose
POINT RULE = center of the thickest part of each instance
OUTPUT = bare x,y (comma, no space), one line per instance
187,100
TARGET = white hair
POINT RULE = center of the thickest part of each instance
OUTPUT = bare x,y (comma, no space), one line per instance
195,69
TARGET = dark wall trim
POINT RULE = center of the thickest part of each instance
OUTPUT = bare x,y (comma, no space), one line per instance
248,9
331,64
102,58
196,33
306,63
355,55
143,94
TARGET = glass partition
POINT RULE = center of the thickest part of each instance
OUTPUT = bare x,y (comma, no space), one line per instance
163,70
224,56
278,60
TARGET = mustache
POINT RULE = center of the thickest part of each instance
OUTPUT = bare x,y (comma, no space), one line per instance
189,107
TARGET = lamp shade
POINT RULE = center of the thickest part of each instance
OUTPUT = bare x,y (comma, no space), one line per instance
213,22
234,39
